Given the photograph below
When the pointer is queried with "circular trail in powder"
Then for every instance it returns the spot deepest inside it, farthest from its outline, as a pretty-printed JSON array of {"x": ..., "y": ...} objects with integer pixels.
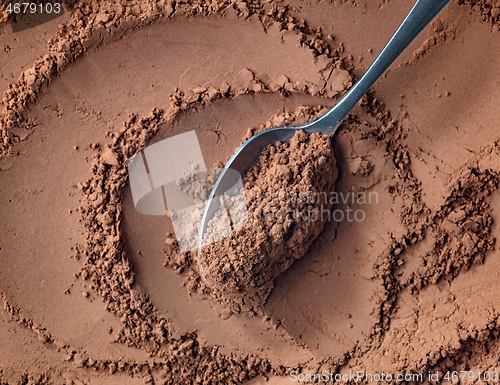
[
  {"x": 409, "y": 284},
  {"x": 77, "y": 102}
]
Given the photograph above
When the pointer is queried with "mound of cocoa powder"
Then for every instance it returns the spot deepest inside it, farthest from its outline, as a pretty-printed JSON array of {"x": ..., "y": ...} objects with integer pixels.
[{"x": 286, "y": 193}]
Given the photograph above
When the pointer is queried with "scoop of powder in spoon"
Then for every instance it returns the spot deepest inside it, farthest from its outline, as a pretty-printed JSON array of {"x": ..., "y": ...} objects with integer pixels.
[{"x": 287, "y": 194}]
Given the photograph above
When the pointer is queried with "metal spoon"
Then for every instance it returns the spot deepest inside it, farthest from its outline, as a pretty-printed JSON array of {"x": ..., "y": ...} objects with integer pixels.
[{"x": 242, "y": 160}]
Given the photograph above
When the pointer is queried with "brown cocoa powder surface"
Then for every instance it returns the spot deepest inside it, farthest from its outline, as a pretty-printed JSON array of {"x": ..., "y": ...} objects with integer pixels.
[{"x": 412, "y": 287}]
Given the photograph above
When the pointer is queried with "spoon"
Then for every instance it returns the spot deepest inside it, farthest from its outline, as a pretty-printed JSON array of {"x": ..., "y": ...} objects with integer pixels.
[{"x": 242, "y": 160}]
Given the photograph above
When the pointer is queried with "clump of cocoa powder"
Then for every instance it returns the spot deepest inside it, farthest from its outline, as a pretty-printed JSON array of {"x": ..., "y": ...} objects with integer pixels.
[{"x": 286, "y": 195}]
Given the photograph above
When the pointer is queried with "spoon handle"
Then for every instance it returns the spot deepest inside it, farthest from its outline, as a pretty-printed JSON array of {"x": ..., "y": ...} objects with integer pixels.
[{"x": 420, "y": 15}]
